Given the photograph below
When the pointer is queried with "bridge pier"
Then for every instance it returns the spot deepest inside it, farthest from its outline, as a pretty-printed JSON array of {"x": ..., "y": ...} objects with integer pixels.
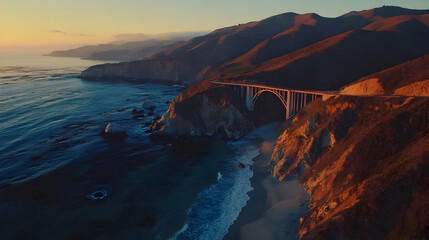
[
  {"x": 288, "y": 111},
  {"x": 249, "y": 98}
]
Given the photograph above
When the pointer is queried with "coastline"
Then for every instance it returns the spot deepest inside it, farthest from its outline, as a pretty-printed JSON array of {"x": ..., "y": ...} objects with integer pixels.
[{"x": 274, "y": 208}]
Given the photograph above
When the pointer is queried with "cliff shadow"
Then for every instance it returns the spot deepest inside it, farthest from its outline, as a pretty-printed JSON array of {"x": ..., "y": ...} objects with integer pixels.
[{"x": 268, "y": 108}]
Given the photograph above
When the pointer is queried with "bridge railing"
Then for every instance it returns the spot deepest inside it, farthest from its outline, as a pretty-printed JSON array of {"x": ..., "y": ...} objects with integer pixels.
[{"x": 333, "y": 93}]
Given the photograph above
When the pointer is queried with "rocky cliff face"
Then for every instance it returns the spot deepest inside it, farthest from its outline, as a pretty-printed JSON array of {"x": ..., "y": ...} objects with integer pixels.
[
  {"x": 205, "y": 110},
  {"x": 365, "y": 163},
  {"x": 155, "y": 69},
  {"x": 407, "y": 79},
  {"x": 364, "y": 160}
]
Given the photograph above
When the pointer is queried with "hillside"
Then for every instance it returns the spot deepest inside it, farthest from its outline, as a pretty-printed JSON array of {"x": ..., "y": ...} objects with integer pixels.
[
  {"x": 341, "y": 59},
  {"x": 307, "y": 29},
  {"x": 364, "y": 162},
  {"x": 410, "y": 79},
  {"x": 122, "y": 52},
  {"x": 192, "y": 60},
  {"x": 412, "y": 24},
  {"x": 229, "y": 52},
  {"x": 384, "y": 12}
]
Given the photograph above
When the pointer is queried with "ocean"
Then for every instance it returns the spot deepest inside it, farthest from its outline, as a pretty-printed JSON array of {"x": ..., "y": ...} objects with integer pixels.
[{"x": 59, "y": 179}]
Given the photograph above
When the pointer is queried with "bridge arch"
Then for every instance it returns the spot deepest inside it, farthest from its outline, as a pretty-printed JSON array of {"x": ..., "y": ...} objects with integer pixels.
[
  {"x": 281, "y": 98},
  {"x": 291, "y": 100},
  {"x": 269, "y": 106}
]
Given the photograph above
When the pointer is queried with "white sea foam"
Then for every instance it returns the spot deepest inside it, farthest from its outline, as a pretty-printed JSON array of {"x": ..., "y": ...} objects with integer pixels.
[
  {"x": 219, "y": 176},
  {"x": 219, "y": 205},
  {"x": 184, "y": 228}
]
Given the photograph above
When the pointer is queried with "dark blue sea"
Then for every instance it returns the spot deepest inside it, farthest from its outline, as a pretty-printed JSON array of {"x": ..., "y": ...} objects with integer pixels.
[{"x": 59, "y": 179}]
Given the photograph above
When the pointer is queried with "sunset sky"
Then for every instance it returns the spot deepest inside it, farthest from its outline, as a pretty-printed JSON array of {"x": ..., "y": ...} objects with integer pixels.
[{"x": 55, "y": 24}]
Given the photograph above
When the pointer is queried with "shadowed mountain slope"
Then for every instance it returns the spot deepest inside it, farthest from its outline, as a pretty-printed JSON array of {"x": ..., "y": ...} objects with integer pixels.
[
  {"x": 308, "y": 28},
  {"x": 230, "y": 52},
  {"x": 344, "y": 58},
  {"x": 192, "y": 60},
  {"x": 126, "y": 51},
  {"x": 311, "y": 28}
]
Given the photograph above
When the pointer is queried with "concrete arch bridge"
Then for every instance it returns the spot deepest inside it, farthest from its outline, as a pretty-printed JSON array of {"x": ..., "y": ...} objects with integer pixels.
[{"x": 293, "y": 100}]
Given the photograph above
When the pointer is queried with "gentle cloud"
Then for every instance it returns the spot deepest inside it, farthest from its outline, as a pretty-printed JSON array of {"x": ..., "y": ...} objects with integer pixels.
[
  {"x": 58, "y": 31},
  {"x": 128, "y": 37}
]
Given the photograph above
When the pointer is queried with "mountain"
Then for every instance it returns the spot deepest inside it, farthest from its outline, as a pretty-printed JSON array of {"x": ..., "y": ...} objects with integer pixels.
[
  {"x": 123, "y": 52},
  {"x": 341, "y": 59},
  {"x": 384, "y": 12},
  {"x": 412, "y": 24},
  {"x": 337, "y": 61},
  {"x": 127, "y": 47},
  {"x": 362, "y": 159},
  {"x": 307, "y": 29},
  {"x": 230, "y": 52},
  {"x": 192, "y": 60}
]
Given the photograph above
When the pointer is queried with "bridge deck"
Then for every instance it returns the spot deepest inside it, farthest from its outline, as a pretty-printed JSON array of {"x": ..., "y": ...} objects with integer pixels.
[{"x": 332, "y": 93}]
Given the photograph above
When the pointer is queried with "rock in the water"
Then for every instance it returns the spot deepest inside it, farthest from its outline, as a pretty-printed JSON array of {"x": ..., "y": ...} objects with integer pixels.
[
  {"x": 135, "y": 111},
  {"x": 138, "y": 116},
  {"x": 240, "y": 165},
  {"x": 114, "y": 136},
  {"x": 98, "y": 195}
]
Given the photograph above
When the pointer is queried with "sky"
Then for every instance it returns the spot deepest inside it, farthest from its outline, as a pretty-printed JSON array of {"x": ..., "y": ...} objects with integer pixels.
[{"x": 57, "y": 24}]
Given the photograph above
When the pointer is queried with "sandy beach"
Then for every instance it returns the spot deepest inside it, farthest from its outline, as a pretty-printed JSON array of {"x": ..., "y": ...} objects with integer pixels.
[{"x": 274, "y": 207}]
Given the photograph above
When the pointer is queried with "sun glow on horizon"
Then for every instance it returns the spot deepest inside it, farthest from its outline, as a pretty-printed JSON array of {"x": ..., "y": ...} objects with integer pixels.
[{"x": 57, "y": 24}]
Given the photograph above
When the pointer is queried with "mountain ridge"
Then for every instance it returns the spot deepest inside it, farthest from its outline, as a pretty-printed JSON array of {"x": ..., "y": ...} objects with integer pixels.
[
  {"x": 239, "y": 49},
  {"x": 128, "y": 47}
]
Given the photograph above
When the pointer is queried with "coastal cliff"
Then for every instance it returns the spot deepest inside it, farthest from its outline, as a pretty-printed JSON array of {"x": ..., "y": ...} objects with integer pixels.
[
  {"x": 364, "y": 162},
  {"x": 164, "y": 70},
  {"x": 204, "y": 110},
  {"x": 362, "y": 159}
]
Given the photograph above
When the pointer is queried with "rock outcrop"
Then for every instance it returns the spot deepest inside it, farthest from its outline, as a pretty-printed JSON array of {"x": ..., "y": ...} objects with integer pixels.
[
  {"x": 407, "y": 79},
  {"x": 205, "y": 110},
  {"x": 364, "y": 161}
]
